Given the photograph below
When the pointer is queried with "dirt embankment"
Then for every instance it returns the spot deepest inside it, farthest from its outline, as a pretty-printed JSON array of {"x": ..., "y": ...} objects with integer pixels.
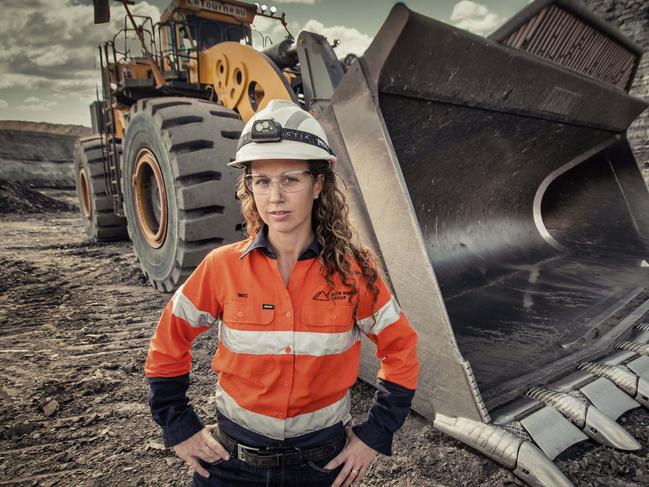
[
  {"x": 16, "y": 198},
  {"x": 38, "y": 154}
]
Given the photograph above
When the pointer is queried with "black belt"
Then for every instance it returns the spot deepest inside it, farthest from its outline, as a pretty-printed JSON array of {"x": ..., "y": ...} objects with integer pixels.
[{"x": 276, "y": 457}]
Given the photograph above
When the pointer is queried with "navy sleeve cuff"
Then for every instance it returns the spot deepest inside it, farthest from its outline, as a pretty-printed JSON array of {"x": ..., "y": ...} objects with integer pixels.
[
  {"x": 171, "y": 410},
  {"x": 375, "y": 439},
  {"x": 389, "y": 411},
  {"x": 185, "y": 426}
]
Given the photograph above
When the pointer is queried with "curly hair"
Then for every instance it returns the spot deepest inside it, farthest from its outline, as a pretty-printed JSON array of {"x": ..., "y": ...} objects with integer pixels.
[{"x": 332, "y": 229}]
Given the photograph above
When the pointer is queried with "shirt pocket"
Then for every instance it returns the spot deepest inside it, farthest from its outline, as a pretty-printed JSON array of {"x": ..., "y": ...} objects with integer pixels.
[
  {"x": 325, "y": 317},
  {"x": 247, "y": 316}
]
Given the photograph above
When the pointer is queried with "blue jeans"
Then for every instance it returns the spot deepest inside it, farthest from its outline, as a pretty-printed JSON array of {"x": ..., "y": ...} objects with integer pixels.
[{"x": 235, "y": 472}]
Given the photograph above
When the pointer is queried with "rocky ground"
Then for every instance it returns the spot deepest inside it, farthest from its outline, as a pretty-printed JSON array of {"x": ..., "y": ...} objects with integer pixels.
[{"x": 76, "y": 318}]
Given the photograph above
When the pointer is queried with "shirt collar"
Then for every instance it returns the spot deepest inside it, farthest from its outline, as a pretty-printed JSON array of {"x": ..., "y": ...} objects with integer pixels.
[{"x": 261, "y": 242}]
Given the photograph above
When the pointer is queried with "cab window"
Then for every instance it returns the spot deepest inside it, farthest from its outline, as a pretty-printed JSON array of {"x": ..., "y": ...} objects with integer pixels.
[{"x": 210, "y": 34}]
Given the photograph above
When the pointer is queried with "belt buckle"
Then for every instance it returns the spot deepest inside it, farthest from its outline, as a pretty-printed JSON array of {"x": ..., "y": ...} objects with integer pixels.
[
  {"x": 254, "y": 456},
  {"x": 241, "y": 449}
]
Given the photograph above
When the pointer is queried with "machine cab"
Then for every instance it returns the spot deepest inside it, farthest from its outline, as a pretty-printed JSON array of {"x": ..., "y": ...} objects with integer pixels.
[{"x": 189, "y": 27}]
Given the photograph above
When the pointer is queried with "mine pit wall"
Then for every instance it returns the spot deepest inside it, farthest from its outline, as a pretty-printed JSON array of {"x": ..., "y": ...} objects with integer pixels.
[
  {"x": 38, "y": 154},
  {"x": 631, "y": 17}
]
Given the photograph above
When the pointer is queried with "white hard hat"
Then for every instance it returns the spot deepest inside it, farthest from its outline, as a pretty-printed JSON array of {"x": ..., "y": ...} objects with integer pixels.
[{"x": 282, "y": 130}]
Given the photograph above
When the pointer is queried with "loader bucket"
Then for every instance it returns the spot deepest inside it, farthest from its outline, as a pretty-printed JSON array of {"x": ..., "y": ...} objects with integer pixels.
[{"x": 512, "y": 221}]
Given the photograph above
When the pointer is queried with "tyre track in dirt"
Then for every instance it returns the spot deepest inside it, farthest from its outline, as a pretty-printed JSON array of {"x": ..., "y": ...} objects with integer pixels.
[{"x": 76, "y": 318}]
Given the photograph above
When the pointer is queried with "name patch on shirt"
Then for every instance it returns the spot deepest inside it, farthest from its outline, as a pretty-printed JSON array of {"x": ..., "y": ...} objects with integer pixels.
[{"x": 267, "y": 306}]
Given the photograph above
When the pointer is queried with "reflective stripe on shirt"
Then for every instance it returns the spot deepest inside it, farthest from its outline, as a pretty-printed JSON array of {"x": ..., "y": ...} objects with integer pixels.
[
  {"x": 275, "y": 342},
  {"x": 389, "y": 313},
  {"x": 184, "y": 309},
  {"x": 278, "y": 428}
]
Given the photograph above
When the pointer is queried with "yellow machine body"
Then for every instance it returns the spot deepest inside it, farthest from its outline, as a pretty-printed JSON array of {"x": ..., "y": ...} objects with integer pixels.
[{"x": 242, "y": 78}]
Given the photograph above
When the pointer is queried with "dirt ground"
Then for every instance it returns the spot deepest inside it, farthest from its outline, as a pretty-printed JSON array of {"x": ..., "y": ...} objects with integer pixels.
[{"x": 76, "y": 318}]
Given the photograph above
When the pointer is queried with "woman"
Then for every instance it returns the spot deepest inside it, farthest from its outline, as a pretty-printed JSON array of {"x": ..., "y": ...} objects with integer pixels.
[{"x": 293, "y": 300}]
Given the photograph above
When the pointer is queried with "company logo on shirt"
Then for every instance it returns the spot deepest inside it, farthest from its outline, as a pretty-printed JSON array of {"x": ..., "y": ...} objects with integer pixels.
[
  {"x": 332, "y": 296},
  {"x": 320, "y": 296}
]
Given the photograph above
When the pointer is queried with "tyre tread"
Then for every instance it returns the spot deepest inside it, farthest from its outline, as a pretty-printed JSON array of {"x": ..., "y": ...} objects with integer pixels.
[
  {"x": 104, "y": 224},
  {"x": 200, "y": 137}
]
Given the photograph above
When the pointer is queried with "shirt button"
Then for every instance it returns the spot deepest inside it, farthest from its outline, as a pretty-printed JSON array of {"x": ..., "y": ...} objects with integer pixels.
[
  {"x": 240, "y": 314},
  {"x": 333, "y": 317},
  {"x": 289, "y": 314},
  {"x": 286, "y": 383},
  {"x": 287, "y": 349},
  {"x": 296, "y": 284}
]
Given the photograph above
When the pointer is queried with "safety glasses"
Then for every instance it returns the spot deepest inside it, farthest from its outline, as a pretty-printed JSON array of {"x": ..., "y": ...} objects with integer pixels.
[{"x": 289, "y": 181}]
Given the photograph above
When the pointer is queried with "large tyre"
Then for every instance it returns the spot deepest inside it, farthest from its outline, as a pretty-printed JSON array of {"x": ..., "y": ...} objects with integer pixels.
[
  {"x": 179, "y": 194},
  {"x": 95, "y": 202}
]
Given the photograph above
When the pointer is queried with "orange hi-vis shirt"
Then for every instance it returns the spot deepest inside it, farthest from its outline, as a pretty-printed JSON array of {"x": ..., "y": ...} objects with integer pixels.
[{"x": 287, "y": 355}]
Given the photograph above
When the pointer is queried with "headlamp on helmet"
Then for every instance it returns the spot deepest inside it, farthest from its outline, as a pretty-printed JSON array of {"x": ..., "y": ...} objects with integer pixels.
[{"x": 267, "y": 130}]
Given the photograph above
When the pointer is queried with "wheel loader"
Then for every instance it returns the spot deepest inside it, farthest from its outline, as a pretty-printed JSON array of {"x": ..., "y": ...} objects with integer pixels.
[{"x": 491, "y": 176}]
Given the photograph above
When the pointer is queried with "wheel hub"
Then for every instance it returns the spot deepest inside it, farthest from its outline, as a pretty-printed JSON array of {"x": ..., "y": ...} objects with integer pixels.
[
  {"x": 84, "y": 193},
  {"x": 150, "y": 198}
]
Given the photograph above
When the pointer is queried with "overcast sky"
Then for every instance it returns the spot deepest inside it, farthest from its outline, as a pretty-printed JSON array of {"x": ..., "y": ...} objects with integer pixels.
[{"x": 48, "y": 47}]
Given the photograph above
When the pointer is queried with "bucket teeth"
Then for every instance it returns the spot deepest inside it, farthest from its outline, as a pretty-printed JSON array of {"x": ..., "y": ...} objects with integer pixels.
[
  {"x": 604, "y": 430},
  {"x": 643, "y": 327},
  {"x": 537, "y": 470},
  {"x": 633, "y": 385},
  {"x": 572, "y": 408},
  {"x": 588, "y": 418},
  {"x": 643, "y": 392},
  {"x": 639, "y": 348},
  {"x": 625, "y": 380},
  {"x": 522, "y": 457}
]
